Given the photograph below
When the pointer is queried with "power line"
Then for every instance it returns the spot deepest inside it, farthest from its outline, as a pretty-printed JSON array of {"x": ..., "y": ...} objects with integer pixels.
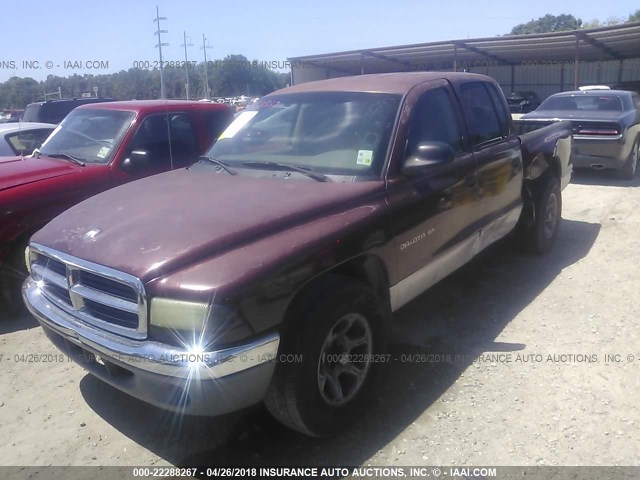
[
  {"x": 204, "y": 48},
  {"x": 186, "y": 61}
]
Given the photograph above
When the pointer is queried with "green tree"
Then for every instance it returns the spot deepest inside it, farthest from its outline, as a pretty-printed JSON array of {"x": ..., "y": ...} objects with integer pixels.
[
  {"x": 600, "y": 23},
  {"x": 235, "y": 75},
  {"x": 634, "y": 17},
  {"x": 548, "y": 23}
]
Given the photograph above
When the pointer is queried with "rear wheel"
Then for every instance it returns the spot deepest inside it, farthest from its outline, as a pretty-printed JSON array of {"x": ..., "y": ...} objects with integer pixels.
[
  {"x": 338, "y": 338},
  {"x": 540, "y": 233},
  {"x": 628, "y": 171}
]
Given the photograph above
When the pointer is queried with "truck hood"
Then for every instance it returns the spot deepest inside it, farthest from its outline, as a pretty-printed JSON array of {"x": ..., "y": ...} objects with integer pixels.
[
  {"x": 16, "y": 171},
  {"x": 162, "y": 223}
]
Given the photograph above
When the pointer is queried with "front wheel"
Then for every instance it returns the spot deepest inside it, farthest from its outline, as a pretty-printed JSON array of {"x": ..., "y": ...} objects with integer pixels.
[
  {"x": 539, "y": 235},
  {"x": 337, "y": 341}
]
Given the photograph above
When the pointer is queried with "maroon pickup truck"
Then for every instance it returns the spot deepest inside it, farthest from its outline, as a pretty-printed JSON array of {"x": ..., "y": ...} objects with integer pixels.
[
  {"x": 270, "y": 270},
  {"x": 96, "y": 147}
]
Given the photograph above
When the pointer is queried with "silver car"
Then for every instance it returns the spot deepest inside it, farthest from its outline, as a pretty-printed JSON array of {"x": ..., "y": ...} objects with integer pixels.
[
  {"x": 22, "y": 138},
  {"x": 606, "y": 127}
]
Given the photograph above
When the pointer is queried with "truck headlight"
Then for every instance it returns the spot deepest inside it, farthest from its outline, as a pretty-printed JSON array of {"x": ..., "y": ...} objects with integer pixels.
[{"x": 179, "y": 314}]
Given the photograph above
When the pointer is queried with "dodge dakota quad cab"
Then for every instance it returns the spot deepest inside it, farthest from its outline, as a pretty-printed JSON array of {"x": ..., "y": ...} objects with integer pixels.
[
  {"x": 269, "y": 270},
  {"x": 96, "y": 147}
]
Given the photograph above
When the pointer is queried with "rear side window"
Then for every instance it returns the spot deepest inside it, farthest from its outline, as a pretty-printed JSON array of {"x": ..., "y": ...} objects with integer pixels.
[
  {"x": 435, "y": 120},
  {"x": 183, "y": 136},
  {"x": 481, "y": 115},
  {"x": 503, "y": 115}
]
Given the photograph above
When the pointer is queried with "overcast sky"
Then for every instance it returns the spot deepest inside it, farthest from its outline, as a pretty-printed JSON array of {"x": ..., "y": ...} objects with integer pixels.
[{"x": 60, "y": 34}]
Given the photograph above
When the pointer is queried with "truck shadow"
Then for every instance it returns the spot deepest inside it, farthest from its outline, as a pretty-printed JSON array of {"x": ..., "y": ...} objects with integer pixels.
[
  {"x": 607, "y": 178},
  {"x": 461, "y": 317},
  {"x": 22, "y": 320}
]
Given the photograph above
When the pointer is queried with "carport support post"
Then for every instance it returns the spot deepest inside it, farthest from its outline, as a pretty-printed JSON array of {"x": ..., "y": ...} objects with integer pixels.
[
  {"x": 620, "y": 71},
  {"x": 513, "y": 78},
  {"x": 575, "y": 66}
]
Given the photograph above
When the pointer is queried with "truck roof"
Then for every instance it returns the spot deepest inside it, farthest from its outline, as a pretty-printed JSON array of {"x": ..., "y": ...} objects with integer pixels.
[
  {"x": 154, "y": 106},
  {"x": 400, "y": 82}
]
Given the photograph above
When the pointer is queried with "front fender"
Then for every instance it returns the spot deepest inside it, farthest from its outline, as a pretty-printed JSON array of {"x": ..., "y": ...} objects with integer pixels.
[{"x": 261, "y": 279}]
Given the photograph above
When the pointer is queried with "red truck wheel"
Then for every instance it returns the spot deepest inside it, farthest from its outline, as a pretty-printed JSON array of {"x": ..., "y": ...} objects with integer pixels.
[{"x": 338, "y": 340}]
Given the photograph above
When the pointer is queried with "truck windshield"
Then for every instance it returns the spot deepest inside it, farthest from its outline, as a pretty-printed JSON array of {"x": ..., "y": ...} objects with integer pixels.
[
  {"x": 333, "y": 133},
  {"x": 91, "y": 135}
]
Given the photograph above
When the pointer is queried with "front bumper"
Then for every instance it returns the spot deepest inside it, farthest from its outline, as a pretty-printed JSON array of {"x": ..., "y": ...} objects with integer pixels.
[{"x": 187, "y": 381}]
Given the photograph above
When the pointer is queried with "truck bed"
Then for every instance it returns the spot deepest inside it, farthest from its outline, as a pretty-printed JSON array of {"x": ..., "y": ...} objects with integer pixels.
[{"x": 553, "y": 139}]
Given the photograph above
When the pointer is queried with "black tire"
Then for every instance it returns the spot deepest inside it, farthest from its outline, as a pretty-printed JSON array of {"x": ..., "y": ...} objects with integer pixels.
[
  {"x": 628, "y": 171},
  {"x": 538, "y": 235},
  {"x": 302, "y": 394},
  {"x": 12, "y": 275}
]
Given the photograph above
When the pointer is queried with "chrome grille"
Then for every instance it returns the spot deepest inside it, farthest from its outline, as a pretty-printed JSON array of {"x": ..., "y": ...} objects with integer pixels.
[{"x": 93, "y": 293}]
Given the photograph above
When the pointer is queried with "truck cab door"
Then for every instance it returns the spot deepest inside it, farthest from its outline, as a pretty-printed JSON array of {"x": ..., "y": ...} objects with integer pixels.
[
  {"x": 498, "y": 157},
  {"x": 434, "y": 207}
]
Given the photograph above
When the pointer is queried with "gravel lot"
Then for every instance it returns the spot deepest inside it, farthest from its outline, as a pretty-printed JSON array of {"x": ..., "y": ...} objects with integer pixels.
[{"x": 526, "y": 380}]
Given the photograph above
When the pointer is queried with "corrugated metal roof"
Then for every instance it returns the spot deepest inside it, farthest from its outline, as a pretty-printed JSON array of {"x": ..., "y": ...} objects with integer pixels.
[{"x": 616, "y": 42}]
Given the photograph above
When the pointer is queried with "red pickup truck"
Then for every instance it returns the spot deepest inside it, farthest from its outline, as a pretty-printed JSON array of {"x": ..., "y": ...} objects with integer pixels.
[
  {"x": 269, "y": 270},
  {"x": 96, "y": 147}
]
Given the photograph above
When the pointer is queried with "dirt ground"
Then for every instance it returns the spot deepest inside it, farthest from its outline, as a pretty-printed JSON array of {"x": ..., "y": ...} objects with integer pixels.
[{"x": 509, "y": 367}]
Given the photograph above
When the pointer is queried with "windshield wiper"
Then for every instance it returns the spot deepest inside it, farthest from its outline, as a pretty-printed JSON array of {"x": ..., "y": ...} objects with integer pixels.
[
  {"x": 66, "y": 156},
  {"x": 221, "y": 164},
  {"x": 294, "y": 168}
]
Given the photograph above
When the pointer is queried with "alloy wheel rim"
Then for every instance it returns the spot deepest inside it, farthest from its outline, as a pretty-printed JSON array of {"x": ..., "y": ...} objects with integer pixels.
[{"x": 344, "y": 359}]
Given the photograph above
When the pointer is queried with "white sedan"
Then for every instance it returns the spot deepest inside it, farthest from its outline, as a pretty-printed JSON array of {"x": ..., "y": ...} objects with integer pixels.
[{"x": 21, "y": 138}]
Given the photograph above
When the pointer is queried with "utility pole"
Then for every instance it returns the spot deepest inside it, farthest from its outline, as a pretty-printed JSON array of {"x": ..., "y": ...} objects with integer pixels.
[
  {"x": 159, "y": 46},
  {"x": 186, "y": 61},
  {"x": 206, "y": 67}
]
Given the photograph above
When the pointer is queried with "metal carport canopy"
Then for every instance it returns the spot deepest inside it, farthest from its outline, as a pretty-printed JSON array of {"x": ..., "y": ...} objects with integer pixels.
[{"x": 616, "y": 42}]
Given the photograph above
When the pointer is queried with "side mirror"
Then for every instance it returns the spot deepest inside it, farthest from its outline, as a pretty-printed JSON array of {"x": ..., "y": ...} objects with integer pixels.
[
  {"x": 138, "y": 159},
  {"x": 425, "y": 155}
]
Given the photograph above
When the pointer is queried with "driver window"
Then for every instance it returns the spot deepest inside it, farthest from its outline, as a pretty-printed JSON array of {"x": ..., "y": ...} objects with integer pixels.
[
  {"x": 434, "y": 120},
  {"x": 153, "y": 137}
]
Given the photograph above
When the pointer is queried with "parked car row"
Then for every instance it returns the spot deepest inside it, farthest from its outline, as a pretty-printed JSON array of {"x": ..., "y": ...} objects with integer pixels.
[{"x": 270, "y": 269}]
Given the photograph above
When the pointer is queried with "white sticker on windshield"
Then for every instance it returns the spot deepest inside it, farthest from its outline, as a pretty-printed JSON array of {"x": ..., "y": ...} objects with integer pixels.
[
  {"x": 240, "y": 121},
  {"x": 104, "y": 151},
  {"x": 364, "y": 157}
]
